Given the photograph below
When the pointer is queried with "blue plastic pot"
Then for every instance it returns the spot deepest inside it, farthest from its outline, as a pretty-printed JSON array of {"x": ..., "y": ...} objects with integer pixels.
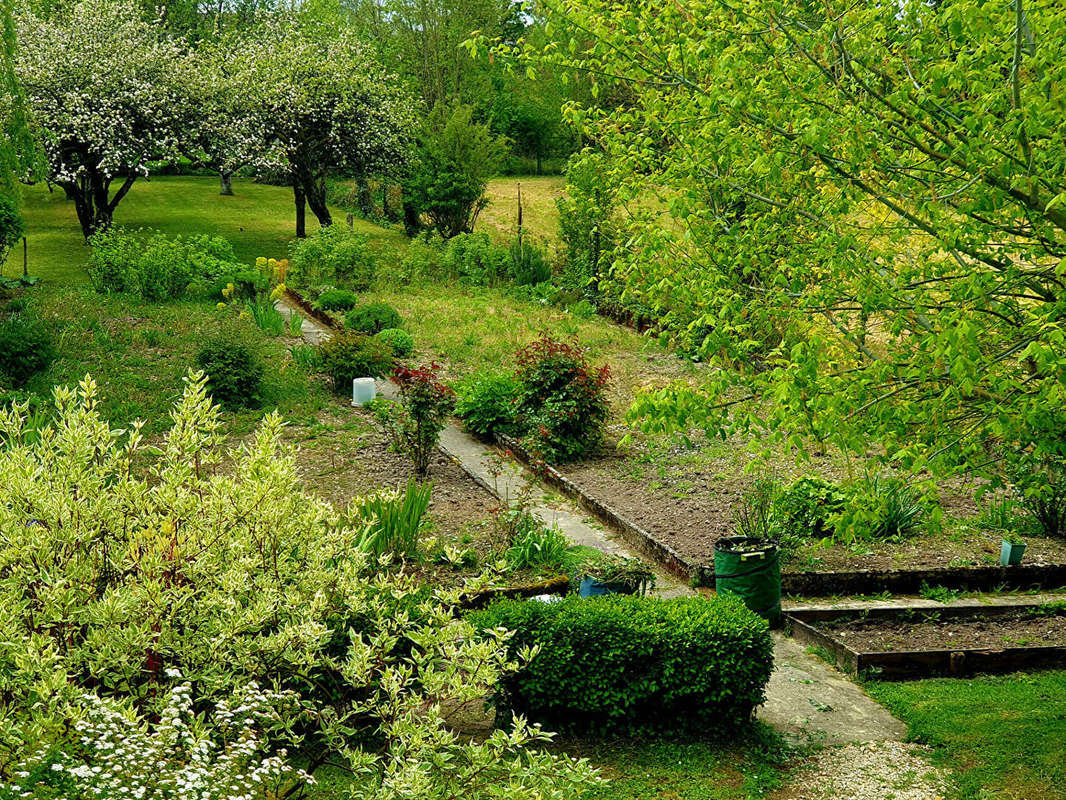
[{"x": 1011, "y": 554}]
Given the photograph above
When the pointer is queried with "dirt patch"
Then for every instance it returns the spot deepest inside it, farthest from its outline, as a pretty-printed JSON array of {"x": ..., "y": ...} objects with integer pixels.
[
  {"x": 686, "y": 501},
  {"x": 930, "y": 632},
  {"x": 881, "y": 771},
  {"x": 344, "y": 455}
]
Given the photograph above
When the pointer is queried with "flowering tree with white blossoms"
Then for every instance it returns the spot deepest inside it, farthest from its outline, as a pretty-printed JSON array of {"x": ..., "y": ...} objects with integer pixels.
[
  {"x": 126, "y": 575},
  {"x": 326, "y": 106},
  {"x": 106, "y": 94}
]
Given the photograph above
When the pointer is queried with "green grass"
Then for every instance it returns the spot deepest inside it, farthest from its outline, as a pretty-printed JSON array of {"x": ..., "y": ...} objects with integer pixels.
[
  {"x": 138, "y": 353},
  {"x": 540, "y": 217},
  {"x": 1004, "y": 737},
  {"x": 258, "y": 220}
]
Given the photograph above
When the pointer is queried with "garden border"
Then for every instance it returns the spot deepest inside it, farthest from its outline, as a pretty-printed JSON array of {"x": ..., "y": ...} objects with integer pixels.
[
  {"x": 914, "y": 664},
  {"x": 808, "y": 584}
]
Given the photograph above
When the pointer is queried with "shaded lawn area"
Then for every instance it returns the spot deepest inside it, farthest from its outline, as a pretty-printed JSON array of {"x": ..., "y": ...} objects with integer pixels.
[
  {"x": 259, "y": 220},
  {"x": 1004, "y": 736}
]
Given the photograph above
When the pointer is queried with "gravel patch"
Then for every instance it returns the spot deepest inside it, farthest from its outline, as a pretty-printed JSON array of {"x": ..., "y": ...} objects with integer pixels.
[{"x": 871, "y": 771}]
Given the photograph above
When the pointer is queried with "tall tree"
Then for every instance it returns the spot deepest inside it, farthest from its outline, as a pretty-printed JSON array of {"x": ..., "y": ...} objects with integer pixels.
[
  {"x": 868, "y": 204},
  {"x": 107, "y": 94},
  {"x": 326, "y": 106}
]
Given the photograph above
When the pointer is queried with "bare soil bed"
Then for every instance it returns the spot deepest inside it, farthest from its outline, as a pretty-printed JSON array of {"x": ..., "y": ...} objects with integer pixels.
[
  {"x": 686, "y": 500},
  {"x": 929, "y": 632}
]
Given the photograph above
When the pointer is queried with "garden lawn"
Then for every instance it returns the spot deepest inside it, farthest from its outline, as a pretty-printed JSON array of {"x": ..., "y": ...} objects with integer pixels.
[
  {"x": 259, "y": 220},
  {"x": 540, "y": 217},
  {"x": 1004, "y": 737},
  {"x": 139, "y": 352}
]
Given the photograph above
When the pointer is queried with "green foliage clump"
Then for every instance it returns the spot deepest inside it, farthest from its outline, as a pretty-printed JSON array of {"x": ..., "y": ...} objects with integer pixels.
[
  {"x": 473, "y": 257},
  {"x": 347, "y": 356},
  {"x": 392, "y": 519},
  {"x": 562, "y": 400},
  {"x": 26, "y": 348},
  {"x": 160, "y": 267},
  {"x": 401, "y": 342},
  {"x": 11, "y": 227},
  {"x": 486, "y": 404},
  {"x": 535, "y": 545},
  {"x": 371, "y": 318},
  {"x": 528, "y": 263},
  {"x": 337, "y": 300},
  {"x": 454, "y": 159},
  {"x": 1041, "y": 482},
  {"x": 808, "y": 505},
  {"x": 885, "y": 507},
  {"x": 586, "y": 227},
  {"x": 622, "y": 664},
  {"x": 234, "y": 369},
  {"x": 333, "y": 254}
]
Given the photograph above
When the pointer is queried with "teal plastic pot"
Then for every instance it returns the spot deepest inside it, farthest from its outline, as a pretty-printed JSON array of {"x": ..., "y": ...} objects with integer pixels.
[
  {"x": 750, "y": 569},
  {"x": 1011, "y": 554}
]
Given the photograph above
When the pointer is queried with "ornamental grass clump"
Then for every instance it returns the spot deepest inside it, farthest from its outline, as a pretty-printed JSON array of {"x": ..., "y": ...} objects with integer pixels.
[{"x": 129, "y": 572}]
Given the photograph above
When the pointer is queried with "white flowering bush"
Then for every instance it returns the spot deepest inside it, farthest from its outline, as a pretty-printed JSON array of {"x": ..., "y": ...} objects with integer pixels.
[
  {"x": 119, "y": 756},
  {"x": 124, "y": 565},
  {"x": 106, "y": 94}
]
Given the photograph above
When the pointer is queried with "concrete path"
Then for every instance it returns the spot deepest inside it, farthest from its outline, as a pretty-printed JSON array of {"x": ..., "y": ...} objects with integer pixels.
[{"x": 806, "y": 698}]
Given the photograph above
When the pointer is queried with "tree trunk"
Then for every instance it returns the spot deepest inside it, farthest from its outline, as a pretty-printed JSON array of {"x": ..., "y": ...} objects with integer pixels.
[
  {"x": 301, "y": 208},
  {"x": 315, "y": 189},
  {"x": 411, "y": 222},
  {"x": 225, "y": 180},
  {"x": 366, "y": 202}
]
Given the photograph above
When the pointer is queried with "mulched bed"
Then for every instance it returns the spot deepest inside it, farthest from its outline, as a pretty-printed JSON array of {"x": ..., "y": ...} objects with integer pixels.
[{"x": 930, "y": 632}]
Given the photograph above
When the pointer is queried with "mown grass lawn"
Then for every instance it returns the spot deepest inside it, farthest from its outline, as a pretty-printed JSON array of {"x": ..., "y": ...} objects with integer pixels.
[
  {"x": 259, "y": 220},
  {"x": 1004, "y": 736}
]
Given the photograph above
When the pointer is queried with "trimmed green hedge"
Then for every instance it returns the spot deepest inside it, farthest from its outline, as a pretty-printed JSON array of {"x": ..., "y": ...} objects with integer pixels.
[{"x": 627, "y": 664}]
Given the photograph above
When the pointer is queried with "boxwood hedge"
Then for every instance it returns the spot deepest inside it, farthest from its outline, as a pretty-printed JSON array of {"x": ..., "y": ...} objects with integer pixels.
[{"x": 628, "y": 664}]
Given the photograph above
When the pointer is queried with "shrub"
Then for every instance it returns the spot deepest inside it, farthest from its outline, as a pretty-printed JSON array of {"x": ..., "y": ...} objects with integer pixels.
[
  {"x": 587, "y": 229},
  {"x": 562, "y": 402},
  {"x": 333, "y": 254},
  {"x": 26, "y": 349},
  {"x": 474, "y": 258},
  {"x": 213, "y": 567},
  {"x": 486, "y": 404},
  {"x": 453, "y": 161},
  {"x": 808, "y": 505},
  {"x": 624, "y": 664},
  {"x": 337, "y": 300},
  {"x": 401, "y": 342},
  {"x": 266, "y": 316},
  {"x": 234, "y": 370},
  {"x": 11, "y": 227},
  {"x": 528, "y": 263},
  {"x": 160, "y": 267},
  {"x": 347, "y": 356},
  {"x": 393, "y": 519},
  {"x": 425, "y": 403},
  {"x": 371, "y": 318},
  {"x": 1041, "y": 482}
]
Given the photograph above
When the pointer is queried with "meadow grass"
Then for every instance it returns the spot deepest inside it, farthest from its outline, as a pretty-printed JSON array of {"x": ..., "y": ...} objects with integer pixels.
[{"x": 1003, "y": 736}]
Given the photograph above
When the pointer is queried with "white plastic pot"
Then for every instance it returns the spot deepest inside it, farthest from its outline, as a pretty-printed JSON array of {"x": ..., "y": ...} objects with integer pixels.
[{"x": 363, "y": 391}]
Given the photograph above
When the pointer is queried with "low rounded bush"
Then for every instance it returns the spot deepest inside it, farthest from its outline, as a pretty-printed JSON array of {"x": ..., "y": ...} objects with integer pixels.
[
  {"x": 337, "y": 300},
  {"x": 349, "y": 355},
  {"x": 234, "y": 370},
  {"x": 621, "y": 664},
  {"x": 401, "y": 342},
  {"x": 333, "y": 254},
  {"x": 371, "y": 318},
  {"x": 26, "y": 348},
  {"x": 529, "y": 263},
  {"x": 487, "y": 404}
]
